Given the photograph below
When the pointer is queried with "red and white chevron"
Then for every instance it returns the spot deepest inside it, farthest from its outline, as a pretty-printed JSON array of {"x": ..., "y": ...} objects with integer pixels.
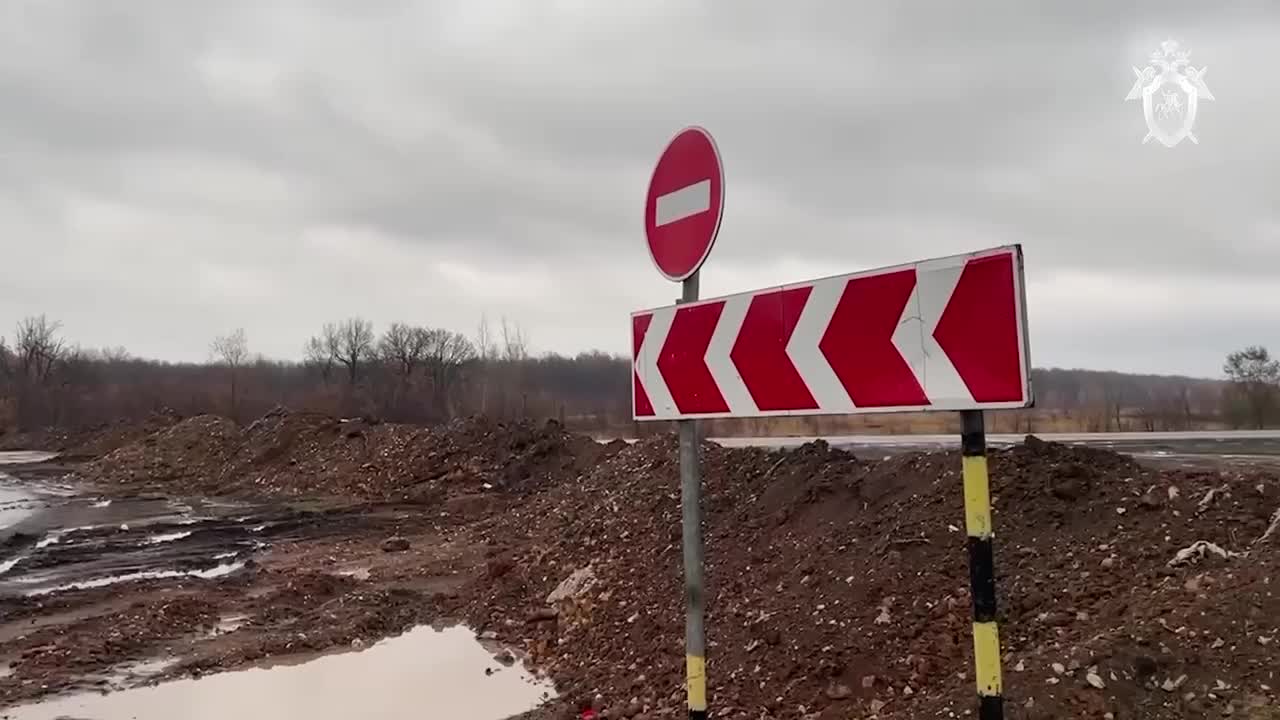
[{"x": 944, "y": 334}]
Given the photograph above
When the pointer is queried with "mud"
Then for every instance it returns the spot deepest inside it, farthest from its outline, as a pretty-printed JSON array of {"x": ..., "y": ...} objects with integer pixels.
[
  {"x": 425, "y": 672},
  {"x": 837, "y": 581}
]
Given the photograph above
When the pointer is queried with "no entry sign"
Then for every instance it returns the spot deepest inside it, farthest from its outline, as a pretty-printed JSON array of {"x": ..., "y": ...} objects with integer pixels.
[
  {"x": 684, "y": 204},
  {"x": 944, "y": 334}
]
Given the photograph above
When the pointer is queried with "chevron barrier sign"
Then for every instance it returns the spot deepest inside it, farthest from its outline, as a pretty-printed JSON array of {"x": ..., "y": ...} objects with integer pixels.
[{"x": 942, "y": 334}]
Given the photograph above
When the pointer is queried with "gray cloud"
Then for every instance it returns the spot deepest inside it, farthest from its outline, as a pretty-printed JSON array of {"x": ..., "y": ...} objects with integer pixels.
[{"x": 170, "y": 169}]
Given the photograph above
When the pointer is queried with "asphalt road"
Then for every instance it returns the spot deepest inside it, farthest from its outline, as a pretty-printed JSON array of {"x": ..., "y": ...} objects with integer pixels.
[{"x": 1180, "y": 449}]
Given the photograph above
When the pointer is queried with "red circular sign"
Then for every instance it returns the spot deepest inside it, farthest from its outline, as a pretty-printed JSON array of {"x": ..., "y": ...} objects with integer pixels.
[{"x": 684, "y": 204}]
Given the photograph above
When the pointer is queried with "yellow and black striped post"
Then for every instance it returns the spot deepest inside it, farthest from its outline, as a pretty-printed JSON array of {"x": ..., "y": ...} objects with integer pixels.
[{"x": 982, "y": 575}]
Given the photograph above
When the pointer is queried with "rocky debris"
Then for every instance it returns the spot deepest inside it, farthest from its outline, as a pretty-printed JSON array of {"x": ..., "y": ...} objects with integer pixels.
[
  {"x": 288, "y": 454},
  {"x": 190, "y": 453},
  {"x": 573, "y": 586},
  {"x": 825, "y": 570},
  {"x": 1198, "y": 550},
  {"x": 395, "y": 544},
  {"x": 1271, "y": 529},
  {"x": 90, "y": 441}
]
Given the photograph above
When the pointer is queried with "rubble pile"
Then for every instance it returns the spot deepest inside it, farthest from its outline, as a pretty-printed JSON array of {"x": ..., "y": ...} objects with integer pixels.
[
  {"x": 837, "y": 585},
  {"x": 91, "y": 441},
  {"x": 288, "y": 454},
  {"x": 186, "y": 456},
  {"x": 839, "y": 588}
]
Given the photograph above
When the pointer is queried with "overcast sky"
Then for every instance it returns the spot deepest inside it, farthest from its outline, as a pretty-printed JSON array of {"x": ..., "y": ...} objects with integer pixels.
[{"x": 173, "y": 169}]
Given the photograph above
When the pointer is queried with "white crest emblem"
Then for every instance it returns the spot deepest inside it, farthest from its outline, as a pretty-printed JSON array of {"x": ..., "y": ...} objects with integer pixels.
[{"x": 1171, "y": 91}]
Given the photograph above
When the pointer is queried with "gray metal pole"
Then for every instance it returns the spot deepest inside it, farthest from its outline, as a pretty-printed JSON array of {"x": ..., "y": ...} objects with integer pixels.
[{"x": 690, "y": 504}]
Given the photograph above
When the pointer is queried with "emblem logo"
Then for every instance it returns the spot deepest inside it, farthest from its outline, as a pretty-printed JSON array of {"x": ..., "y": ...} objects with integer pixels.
[{"x": 1171, "y": 91}]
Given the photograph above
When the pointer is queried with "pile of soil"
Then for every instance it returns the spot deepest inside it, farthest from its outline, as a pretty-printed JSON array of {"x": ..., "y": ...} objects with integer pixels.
[
  {"x": 839, "y": 588},
  {"x": 184, "y": 457},
  {"x": 88, "y": 442},
  {"x": 308, "y": 455}
]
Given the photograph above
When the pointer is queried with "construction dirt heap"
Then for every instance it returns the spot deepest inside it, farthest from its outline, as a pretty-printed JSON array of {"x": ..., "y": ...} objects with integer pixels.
[
  {"x": 837, "y": 586},
  {"x": 308, "y": 455}
]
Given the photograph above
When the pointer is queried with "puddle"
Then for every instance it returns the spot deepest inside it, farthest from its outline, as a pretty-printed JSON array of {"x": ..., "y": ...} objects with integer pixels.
[
  {"x": 7, "y": 565},
  {"x": 25, "y": 457},
  {"x": 142, "y": 670},
  {"x": 52, "y": 538},
  {"x": 423, "y": 673},
  {"x": 168, "y": 537},
  {"x": 228, "y": 624},
  {"x": 213, "y": 572},
  {"x": 15, "y": 505},
  {"x": 5, "y": 671}
]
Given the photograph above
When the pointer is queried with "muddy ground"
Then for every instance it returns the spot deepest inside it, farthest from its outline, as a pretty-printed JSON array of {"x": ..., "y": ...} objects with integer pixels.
[{"x": 837, "y": 584}]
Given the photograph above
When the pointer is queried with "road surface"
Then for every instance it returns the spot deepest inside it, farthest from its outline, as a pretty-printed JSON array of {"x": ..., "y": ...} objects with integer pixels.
[{"x": 1182, "y": 449}]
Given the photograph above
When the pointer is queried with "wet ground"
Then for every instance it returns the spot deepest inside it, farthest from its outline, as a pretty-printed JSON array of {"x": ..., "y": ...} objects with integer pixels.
[
  {"x": 425, "y": 672},
  {"x": 105, "y": 593},
  {"x": 116, "y": 593}
]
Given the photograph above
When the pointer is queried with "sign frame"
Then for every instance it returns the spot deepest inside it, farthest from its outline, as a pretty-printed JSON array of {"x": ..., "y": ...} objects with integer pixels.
[{"x": 1020, "y": 316}]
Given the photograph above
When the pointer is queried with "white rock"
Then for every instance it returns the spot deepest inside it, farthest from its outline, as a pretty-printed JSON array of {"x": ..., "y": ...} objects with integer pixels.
[{"x": 573, "y": 586}]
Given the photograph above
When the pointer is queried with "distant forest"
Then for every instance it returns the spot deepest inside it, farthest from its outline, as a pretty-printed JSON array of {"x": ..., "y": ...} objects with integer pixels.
[{"x": 417, "y": 374}]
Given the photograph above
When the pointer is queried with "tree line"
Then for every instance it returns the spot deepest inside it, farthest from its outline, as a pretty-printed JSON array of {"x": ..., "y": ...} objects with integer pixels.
[
  {"x": 405, "y": 373},
  {"x": 409, "y": 372}
]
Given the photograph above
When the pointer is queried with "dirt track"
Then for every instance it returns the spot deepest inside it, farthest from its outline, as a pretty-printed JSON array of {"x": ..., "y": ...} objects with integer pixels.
[{"x": 838, "y": 585}]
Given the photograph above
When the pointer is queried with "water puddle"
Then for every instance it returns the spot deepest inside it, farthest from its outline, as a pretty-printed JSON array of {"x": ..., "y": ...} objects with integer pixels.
[
  {"x": 11, "y": 563},
  {"x": 213, "y": 572},
  {"x": 15, "y": 504},
  {"x": 143, "y": 670},
  {"x": 228, "y": 624},
  {"x": 52, "y": 538},
  {"x": 25, "y": 457},
  {"x": 168, "y": 537},
  {"x": 423, "y": 673}
]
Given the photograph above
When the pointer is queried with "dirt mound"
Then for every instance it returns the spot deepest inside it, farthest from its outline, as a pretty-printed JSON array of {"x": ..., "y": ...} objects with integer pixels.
[
  {"x": 183, "y": 457},
  {"x": 838, "y": 587},
  {"x": 89, "y": 442},
  {"x": 307, "y": 455}
]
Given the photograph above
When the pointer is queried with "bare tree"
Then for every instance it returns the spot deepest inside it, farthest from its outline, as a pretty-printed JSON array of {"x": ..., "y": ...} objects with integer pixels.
[
  {"x": 232, "y": 351},
  {"x": 350, "y": 342},
  {"x": 116, "y": 354},
  {"x": 486, "y": 352},
  {"x": 37, "y": 348},
  {"x": 486, "y": 349},
  {"x": 1254, "y": 378},
  {"x": 446, "y": 354},
  {"x": 6, "y": 360},
  {"x": 405, "y": 347},
  {"x": 316, "y": 354},
  {"x": 515, "y": 346}
]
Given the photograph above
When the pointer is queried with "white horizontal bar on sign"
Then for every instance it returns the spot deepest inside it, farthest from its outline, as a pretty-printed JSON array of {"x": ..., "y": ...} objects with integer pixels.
[{"x": 685, "y": 202}]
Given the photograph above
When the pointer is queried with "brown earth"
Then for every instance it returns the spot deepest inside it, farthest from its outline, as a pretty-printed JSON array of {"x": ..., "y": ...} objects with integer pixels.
[{"x": 837, "y": 586}]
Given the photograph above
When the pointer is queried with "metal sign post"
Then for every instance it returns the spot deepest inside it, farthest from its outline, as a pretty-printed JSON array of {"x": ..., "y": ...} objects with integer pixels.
[
  {"x": 691, "y": 512},
  {"x": 682, "y": 212},
  {"x": 982, "y": 577}
]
